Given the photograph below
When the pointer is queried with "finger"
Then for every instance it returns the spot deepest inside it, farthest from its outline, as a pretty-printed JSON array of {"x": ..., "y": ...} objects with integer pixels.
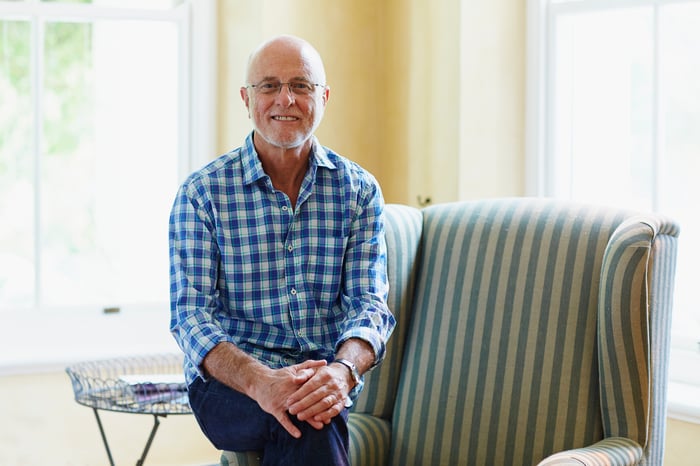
[
  {"x": 318, "y": 425},
  {"x": 303, "y": 375},
  {"x": 326, "y": 416},
  {"x": 311, "y": 364},
  {"x": 305, "y": 370},
  {"x": 309, "y": 393},
  {"x": 325, "y": 404},
  {"x": 305, "y": 398},
  {"x": 289, "y": 425}
]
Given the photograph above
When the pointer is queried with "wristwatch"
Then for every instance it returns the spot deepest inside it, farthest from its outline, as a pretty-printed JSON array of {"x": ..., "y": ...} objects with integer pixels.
[{"x": 353, "y": 369}]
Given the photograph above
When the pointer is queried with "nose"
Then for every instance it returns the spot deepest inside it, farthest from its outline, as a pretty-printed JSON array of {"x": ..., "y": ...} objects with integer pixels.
[{"x": 286, "y": 96}]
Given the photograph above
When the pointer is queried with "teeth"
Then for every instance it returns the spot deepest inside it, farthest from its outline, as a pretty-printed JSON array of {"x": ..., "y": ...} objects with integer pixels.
[{"x": 284, "y": 118}]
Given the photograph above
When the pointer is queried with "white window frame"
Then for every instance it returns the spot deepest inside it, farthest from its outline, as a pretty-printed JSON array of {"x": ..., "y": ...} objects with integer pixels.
[
  {"x": 684, "y": 396},
  {"x": 42, "y": 341}
]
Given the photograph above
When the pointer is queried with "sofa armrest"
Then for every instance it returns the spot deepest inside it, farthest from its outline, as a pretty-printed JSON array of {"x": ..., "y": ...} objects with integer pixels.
[
  {"x": 612, "y": 451},
  {"x": 370, "y": 440},
  {"x": 246, "y": 458}
]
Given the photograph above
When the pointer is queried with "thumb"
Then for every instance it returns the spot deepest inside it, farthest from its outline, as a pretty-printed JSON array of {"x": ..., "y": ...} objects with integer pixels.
[{"x": 303, "y": 375}]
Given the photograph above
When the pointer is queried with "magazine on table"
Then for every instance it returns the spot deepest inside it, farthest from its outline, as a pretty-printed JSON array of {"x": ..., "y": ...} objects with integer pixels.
[{"x": 154, "y": 388}]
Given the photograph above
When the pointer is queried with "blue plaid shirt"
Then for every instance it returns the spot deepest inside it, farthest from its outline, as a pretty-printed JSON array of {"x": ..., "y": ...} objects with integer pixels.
[{"x": 285, "y": 285}]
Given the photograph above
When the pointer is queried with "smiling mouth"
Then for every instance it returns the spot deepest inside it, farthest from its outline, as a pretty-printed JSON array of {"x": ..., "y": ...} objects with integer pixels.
[{"x": 284, "y": 118}]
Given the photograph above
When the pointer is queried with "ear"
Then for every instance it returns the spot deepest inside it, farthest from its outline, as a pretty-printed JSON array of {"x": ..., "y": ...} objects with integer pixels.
[
  {"x": 246, "y": 98},
  {"x": 326, "y": 95}
]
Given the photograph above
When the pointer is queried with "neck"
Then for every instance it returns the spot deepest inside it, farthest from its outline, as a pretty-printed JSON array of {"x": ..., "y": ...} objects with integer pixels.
[{"x": 286, "y": 167}]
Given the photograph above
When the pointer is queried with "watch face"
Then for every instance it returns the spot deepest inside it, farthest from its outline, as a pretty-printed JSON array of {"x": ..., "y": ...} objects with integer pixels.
[{"x": 353, "y": 370}]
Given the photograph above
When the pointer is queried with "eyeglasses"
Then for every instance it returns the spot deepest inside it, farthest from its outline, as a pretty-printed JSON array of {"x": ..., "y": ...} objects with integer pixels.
[{"x": 296, "y": 87}]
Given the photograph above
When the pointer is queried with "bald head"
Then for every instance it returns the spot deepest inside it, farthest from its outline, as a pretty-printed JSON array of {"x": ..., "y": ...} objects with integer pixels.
[{"x": 285, "y": 50}]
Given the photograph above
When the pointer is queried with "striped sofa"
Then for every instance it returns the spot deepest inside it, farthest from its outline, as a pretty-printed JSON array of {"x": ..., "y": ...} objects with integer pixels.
[{"x": 530, "y": 332}]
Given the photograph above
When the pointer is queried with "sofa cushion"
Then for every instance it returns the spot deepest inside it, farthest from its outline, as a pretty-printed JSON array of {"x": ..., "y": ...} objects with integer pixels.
[
  {"x": 403, "y": 233},
  {"x": 370, "y": 440}
]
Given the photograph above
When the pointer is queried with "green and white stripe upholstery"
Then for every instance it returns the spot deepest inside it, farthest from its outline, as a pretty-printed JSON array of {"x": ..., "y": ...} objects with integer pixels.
[
  {"x": 247, "y": 458},
  {"x": 529, "y": 332},
  {"x": 403, "y": 233},
  {"x": 369, "y": 426},
  {"x": 505, "y": 361},
  {"x": 634, "y": 324},
  {"x": 612, "y": 451}
]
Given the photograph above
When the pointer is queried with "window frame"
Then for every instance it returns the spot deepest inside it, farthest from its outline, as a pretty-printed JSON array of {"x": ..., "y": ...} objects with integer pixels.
[
  {"x": 684, "y": 396},
  {"x": 57, "y": 337}
]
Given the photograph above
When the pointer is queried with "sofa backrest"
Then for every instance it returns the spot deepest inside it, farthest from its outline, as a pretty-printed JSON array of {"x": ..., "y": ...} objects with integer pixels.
[
  {"x": 501, "y": 364},
  {"x": 403, "y": 225}
]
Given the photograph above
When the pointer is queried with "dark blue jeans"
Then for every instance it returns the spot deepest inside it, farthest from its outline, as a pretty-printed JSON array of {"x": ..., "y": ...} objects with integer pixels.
[{"x": 233, "y": 421}]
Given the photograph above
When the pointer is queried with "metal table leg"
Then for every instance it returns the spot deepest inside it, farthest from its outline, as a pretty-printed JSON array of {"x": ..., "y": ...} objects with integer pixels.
[
  {"x": 154, "y": 429},
  {"x": 156, "y": 423},
  {"x": 104, "y": 437}
]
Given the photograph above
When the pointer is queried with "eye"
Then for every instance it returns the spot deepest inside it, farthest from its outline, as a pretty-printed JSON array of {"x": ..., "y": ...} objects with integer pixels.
[
  {"x": 268, "y": 87},
  {"x": 301, "y": 87}
]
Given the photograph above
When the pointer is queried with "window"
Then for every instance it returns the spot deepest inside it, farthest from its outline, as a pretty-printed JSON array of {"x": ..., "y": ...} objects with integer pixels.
[
  {"x": 94, "y": 137},
  {"x": 615, "y": 118}
]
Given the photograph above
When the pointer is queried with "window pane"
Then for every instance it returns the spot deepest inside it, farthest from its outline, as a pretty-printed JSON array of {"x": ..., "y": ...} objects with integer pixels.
[
  {"x": 154, "y": 4},
  {"x": 109, "y": 162},
  {"x": 602, "y": 121},
  {"x": 68, "y": 161},
  {"x": 680, "y": 140},
  {"x": 16, "y": 167}
]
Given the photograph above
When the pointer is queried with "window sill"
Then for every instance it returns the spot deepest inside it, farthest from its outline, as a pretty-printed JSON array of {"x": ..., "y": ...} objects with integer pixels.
[
  {"x": 684, "y": 384},
  {"x": 48, "y": 342},
  {"x": 684, "y": 402}
]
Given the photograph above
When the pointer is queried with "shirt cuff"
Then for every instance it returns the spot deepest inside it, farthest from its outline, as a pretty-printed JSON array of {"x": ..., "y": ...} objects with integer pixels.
[{"x": 373, "y": 338}]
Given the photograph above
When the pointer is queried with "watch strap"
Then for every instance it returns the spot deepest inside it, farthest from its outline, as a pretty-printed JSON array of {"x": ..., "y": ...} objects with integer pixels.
[{"x": 353, "y": 369}]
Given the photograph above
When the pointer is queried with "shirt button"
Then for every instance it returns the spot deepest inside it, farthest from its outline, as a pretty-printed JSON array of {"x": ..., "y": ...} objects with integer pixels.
[
  {"x": 294, "y": 291},
  {"x": 285, "y": 208},
  {"x": 290, "y": 248}
]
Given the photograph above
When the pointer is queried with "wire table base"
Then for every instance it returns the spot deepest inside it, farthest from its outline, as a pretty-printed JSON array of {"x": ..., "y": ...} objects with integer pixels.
[{"x": 140, "y": 385}]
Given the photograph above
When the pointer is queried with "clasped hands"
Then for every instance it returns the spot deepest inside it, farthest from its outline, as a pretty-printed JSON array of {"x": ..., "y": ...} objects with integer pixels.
[{"x": 314, "y": 391}]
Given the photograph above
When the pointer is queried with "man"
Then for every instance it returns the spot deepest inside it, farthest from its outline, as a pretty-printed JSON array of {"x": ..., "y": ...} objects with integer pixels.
[{"x": 278, "y": 274}]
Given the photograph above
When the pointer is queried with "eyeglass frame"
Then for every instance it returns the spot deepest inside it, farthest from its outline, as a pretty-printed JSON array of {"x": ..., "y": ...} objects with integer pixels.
[{"x": 257, "y": 87}]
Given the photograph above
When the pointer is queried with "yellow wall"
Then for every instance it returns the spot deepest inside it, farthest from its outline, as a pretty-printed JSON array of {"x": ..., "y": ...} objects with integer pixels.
[
  {"x": 428, "y": 96},
  {"x": 680, "y": 443}
]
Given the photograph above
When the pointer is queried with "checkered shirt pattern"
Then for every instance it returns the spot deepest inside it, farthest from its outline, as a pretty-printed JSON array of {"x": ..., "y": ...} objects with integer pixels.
[{"x": 283, "y": 284}]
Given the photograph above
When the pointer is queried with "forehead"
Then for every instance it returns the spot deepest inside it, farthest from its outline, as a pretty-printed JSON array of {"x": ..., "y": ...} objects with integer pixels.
[{"x": 284, "y": 61}]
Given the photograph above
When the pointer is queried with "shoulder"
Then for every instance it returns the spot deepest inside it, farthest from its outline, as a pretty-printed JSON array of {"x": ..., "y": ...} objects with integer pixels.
[
  {"x": 346, "y": 170},
  {"x": 215, "y": 174}
]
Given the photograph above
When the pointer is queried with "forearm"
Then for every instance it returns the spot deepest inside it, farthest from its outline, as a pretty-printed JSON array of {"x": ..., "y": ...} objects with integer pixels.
[
  {"x": 233, "y": 367},
  {"x": 270, "y": 388},
  {"x": 359, "y": 352}
]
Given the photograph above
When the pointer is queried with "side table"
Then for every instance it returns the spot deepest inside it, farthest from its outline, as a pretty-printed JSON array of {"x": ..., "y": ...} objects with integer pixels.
[{"x": 151, "y": 384}]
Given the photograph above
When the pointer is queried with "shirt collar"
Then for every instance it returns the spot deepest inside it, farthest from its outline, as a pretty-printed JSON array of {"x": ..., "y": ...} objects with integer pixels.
[{"x": 252, "y": 167}]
